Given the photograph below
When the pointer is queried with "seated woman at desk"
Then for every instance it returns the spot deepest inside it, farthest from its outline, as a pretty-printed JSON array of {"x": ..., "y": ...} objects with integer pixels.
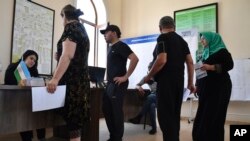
[
  {"x": 30, "y": 58},
  {"x": 149, "y": 105}
]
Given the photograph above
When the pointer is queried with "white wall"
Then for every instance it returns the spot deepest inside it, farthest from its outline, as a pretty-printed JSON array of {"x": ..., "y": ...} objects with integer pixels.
[
  {"x": 233, "y": 21},
  {"x": 141, "y": 17},
  {"x": 6, "y": 10},
  {"x": 114, "y": 9}
]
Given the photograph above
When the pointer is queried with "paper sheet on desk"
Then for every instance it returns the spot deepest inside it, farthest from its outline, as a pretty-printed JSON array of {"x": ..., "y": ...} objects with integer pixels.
[
  {"x": 186, "y": 94},
  {"x": 42, "y": 100}
]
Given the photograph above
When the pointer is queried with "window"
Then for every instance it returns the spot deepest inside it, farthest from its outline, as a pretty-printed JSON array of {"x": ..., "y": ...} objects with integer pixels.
[{"x": 93, "y": 19}]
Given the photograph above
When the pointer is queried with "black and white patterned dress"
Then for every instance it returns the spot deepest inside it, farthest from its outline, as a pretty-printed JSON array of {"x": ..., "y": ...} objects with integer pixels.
[{"x": 76, "y": 109}]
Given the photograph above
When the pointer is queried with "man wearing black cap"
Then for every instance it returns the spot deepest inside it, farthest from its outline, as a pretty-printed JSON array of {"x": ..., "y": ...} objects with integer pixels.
[
  {"x": 170, "y": 54},
  {"x": 117, "y": 76}
]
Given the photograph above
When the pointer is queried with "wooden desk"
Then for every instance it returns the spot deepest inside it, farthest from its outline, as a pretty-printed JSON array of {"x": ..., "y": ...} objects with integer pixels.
[
  {"x": 132, "y": 104},
  {"x": 16, "y": 113}
]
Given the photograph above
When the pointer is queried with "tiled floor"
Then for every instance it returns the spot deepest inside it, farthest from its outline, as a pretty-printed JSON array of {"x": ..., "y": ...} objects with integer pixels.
[
  {"x": 137, "y": 133},
  {"x": 132, "y": 133}
]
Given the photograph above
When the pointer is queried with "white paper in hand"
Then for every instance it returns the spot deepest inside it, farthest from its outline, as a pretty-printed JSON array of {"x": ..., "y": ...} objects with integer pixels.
[
  {"x": 198, "y": 72},
  {"x": 42, "y": 100},
  {"x": 186, "y": 94}
]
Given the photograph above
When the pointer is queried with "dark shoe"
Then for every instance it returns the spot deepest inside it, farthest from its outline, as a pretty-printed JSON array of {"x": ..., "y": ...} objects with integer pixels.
[
  {"x": 152, "y": 131},
  {"x": 135, "y": 120}
]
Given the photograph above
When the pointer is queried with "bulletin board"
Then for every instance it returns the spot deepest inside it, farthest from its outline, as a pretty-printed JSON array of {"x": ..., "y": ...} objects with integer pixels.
[
  {"x": 202, "y": 18},
  {"x": 33, "y": 26}
]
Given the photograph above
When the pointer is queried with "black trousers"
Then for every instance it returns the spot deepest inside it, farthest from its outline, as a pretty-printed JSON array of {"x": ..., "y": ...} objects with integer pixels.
[
  {"x": 28, "y": 135},
  {"x": 169, "y": 97},
  {"x": 113, "y": 109}
]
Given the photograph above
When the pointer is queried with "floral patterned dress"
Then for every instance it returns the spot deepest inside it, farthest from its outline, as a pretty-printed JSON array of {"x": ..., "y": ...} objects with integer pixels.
[{"x": 76, "y": 108}]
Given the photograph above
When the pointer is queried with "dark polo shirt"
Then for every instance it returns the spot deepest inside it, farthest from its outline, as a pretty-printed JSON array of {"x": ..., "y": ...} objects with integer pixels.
[
  {"x": 177, "y": 50},
  {"x": 117, "y": 60}
]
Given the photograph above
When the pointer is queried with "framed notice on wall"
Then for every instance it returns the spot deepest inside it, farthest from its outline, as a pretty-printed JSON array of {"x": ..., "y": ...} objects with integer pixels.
[
  {"x": 202, "y": 18},
  {"x": 33, "y": 26}
]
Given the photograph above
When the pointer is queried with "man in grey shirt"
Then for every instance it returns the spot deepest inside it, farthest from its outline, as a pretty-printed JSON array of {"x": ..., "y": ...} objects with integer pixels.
[{"x": 149, "y": 105}]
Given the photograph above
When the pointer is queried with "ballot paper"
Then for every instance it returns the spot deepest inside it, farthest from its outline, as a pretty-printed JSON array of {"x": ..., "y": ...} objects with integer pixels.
[
  {"x": 198, "y": 72},
  {"x": 43, "y": 100},
  {"x": 186, "y": 94}
]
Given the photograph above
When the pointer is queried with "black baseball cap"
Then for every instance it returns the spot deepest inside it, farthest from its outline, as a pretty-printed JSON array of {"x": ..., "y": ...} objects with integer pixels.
[{"x": 113, "y": 28}]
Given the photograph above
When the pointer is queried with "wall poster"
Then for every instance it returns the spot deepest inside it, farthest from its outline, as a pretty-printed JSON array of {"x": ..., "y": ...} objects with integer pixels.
[
  {"x": 33, "y": 26},
  {"x": 200, "y": 18}
]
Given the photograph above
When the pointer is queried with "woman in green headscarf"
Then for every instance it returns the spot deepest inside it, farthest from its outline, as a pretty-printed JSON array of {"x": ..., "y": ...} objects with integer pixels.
[
  {"x": 212, "y": 43},
  {"x": 214, "y": 90}
]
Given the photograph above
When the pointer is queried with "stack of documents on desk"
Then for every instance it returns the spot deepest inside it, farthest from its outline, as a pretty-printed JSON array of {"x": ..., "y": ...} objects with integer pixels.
[
  {"x": 35, "y": 81},
  {"x": 42, "y": 100}
]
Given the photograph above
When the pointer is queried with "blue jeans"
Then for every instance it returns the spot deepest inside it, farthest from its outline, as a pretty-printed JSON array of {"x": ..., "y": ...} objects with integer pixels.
[{"x": 149, "y": 107}]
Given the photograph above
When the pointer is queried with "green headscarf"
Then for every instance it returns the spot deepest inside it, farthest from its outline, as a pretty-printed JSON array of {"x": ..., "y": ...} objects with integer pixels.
[{"x": 214, "y": 44}]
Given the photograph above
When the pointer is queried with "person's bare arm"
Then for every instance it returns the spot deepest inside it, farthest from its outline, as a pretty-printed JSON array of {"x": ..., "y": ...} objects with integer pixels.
[
  {"x": 69, "y": 48},
  {"x": 133, "y": 62},
  {"x": 160, "y": 61},
  {"x": 190, "y": 69}
]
